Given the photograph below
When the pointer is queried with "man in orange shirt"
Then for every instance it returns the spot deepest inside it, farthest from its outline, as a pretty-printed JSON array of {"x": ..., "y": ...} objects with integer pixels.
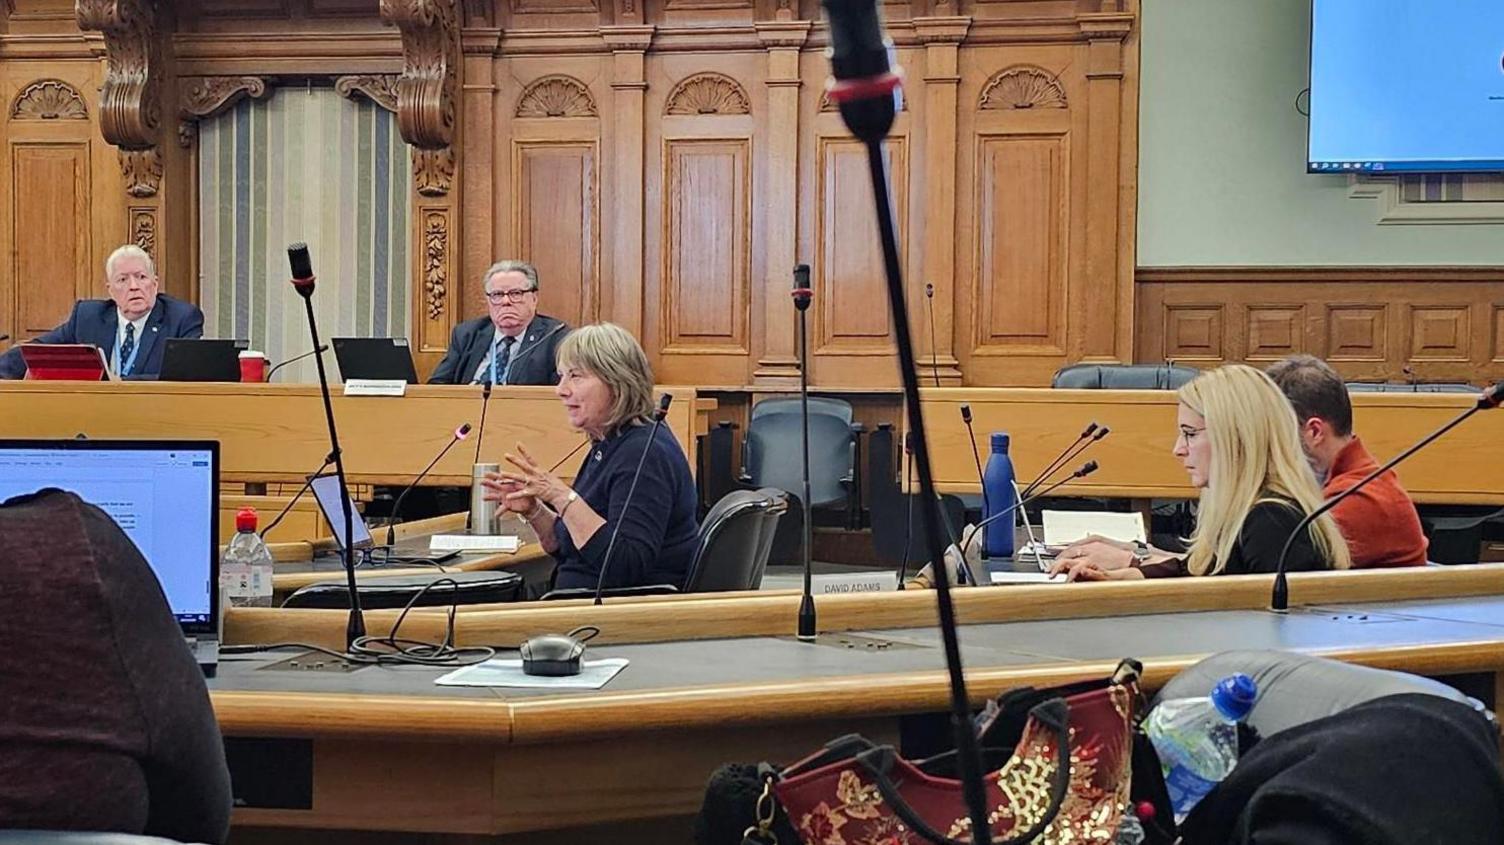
[{"x": 1379, "y": 522}]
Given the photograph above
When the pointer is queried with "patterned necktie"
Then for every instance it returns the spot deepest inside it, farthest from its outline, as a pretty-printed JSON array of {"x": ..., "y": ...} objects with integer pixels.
[
  {"x": 127, "y": 347},
  {"x": 502, "y": 357}
]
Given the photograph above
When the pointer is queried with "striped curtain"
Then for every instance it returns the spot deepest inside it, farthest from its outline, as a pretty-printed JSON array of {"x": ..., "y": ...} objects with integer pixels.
[{"x": 303, "y": 165}]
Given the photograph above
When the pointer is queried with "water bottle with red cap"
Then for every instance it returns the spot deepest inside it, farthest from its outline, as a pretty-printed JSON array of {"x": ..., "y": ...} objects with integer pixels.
[{"x": 245, "y": 571}]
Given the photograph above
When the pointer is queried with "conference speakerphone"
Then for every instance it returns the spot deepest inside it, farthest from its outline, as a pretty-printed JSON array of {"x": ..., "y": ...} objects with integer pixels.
[{"x": 164, "y": 494}]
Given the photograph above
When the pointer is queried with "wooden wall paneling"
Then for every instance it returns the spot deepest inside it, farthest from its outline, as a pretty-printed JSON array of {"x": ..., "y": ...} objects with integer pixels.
[
  {"x": 482, "y": 102},
  {"x": 702, "y": 251},
  {"x": 778, "y": 209},
  {"x": 555, "y": 193},
  {"x": 1104, "y": 326},
  {"x": 942, "y": 37},
  {"x": 1371, "y": 323},
  {"x": 49, "y": 209},
  {"x": 623, "y": 299}
]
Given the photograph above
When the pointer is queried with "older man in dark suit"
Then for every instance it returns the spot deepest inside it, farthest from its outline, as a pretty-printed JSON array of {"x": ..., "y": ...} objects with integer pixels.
[
  {"x": 513, "y": 344},
  {"x": 131, "y": 327}
]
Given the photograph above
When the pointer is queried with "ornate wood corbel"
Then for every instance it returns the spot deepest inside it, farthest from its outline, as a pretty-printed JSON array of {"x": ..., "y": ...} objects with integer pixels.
[
  {"x": 379, "y": 88},
  {"x": 130, "y": 108},
  {"x": 202, "y": 97},
  {"x": 428, "y": 90}
]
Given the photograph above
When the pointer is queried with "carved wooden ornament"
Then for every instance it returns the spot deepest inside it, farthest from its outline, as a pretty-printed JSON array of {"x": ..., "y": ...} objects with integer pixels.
[
  {"x": 379, "y": 88},
  {"x": 556, "y": 96},
  {"x": 49, "y": 99},
  {"x": 428, "y": 88},
  {"x": 435, "y": 258},
  {"x": 207, "y": 96},
  {"x": 1023, "y": 87},
  {"x": 129, "y": 104},
  {"x": 708, "y": 93}
]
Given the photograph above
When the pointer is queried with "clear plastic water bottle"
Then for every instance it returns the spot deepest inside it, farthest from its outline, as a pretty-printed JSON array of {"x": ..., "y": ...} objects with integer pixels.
[
  {"x": 245, "y": 571},
  {"x": 1197, "y": 739},
  {"x": 1130, "y": 830},
  {"x": 998, "y": 480}
]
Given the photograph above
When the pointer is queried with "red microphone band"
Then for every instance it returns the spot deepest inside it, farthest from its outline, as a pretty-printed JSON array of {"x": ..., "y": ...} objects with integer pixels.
[
  {"x": 805, "y": 292},
  {"x": 848, "y": 90}
]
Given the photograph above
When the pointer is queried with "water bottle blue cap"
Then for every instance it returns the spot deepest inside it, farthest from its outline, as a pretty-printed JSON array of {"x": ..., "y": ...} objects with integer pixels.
[
  {"x": 1234, "y": 695},
  {"x": 999, "y": 441}
]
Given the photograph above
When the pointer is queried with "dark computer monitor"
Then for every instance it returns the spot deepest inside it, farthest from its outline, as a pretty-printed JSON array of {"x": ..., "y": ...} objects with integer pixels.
[
  {"x": 186, "y": 359},
  {"x": 164, "y": 494},
  {"x": 375, "y": 358}
]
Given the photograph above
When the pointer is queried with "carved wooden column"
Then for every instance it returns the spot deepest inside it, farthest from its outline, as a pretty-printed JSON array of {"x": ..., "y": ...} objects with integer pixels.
[
  {"x": 130, "y": 104},
  {"x": 629, "y": 46},
  {"x": 942, "y": 38},
  {"x": 782, "y": 39},
  {"x": 428, "y": 117},
  {"x": 478, "y": 191},
  {"x": 201, "y": 97},
  {"x": 1107, "y": 333}
]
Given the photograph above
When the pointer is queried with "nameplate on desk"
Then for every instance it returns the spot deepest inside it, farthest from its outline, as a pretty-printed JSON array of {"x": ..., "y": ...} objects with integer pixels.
[
  {"x": 376, "y": 387},
  {"x": 861, "y": 582},
  {"x": 474, "y": 543}
]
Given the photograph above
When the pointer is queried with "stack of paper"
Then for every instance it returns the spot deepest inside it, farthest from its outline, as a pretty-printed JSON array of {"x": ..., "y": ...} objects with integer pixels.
[{"x": 1061, "y": 528}]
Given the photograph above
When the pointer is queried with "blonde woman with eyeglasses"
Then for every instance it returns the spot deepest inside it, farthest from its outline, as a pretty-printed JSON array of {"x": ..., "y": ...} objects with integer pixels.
[{"x": 1238, "y": 441}]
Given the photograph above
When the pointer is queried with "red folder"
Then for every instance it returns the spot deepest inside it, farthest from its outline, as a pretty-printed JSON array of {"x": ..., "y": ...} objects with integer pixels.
[{"x": 63, "y": 361}]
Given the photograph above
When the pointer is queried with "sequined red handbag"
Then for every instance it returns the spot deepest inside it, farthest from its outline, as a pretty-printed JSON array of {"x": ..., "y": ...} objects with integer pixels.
[{"x": 854, "y": 792}]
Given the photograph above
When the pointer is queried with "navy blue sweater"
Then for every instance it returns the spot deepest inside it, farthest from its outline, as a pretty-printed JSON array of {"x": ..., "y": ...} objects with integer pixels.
[{"x": 657, "y": 533}]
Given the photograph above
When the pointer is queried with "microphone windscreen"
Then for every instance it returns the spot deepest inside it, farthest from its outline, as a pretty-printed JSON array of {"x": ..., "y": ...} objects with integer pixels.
[
  {"x": 664, "y": 401},
  {"x": 1102, "y": 432},
  {"x": 302, "y": 264},
  {"x": 801, "y": 276},
  {"x": 1089, "y": 430},
  {"x": 857, "y": 50},
  {"x": 462, "y": 432},
  {"x": 929, "y": 291},
  {"x": 965, "y": 413},
  {"x": 1086, "y": 469}
]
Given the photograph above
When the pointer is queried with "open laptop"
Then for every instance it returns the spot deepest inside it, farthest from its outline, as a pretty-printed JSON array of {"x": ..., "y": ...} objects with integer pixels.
[
  {"x": 196, "y": 359},
  {"x": 163, "y": 493},
  {"x": 387, "y": 358}
]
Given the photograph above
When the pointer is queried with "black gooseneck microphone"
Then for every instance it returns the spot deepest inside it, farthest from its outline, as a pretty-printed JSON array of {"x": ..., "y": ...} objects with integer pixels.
[
  {"x": 865, "y": 87},
  {"x": 1086, "y": 469},
  {"x": 485, "y": 402},
  {"x": 1089, "y": 435},
  {"x": 391, "y": 524},
  {"x": 976, "y": 457},
  {"x": 1280, "y": 600},
  {"x": 929, "y": 305},
  {"x": 303, "y": 281},
  {"x": 301, "y": 490},
  {"x": 320, "y": 350},
  {"x": 658, "y": 414},
  {"x": 802, "y": 295}
]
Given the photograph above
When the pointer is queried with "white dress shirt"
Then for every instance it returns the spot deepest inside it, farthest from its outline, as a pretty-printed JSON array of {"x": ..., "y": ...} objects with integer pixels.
[
  {"x": 120, "y": 323},
  {"x": 484, "y": 370}
]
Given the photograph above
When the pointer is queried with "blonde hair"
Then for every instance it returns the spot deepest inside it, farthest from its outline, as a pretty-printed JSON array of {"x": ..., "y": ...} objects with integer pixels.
[
  {"x": 1256, "y": 457},
  {"x": 129, "y": 251},
  {"x": 610, "y": 353}
]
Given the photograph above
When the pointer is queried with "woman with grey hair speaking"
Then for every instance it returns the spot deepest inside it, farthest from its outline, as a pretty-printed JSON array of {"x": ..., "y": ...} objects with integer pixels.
[{"x": 606, "y": 385}]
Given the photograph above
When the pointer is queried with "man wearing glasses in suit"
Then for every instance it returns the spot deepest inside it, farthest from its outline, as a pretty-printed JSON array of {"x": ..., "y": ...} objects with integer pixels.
[{"x": 513, "y": 344}]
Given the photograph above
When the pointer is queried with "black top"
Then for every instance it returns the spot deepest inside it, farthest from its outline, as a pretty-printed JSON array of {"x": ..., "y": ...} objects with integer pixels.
[
  {"x": 532, "y": 358},
  {"x": 97, "y": 320},
  {"x": 105, "y": 722},
  {"x": 657, "y": 534},
  {"x": 1260, "y": 540}
]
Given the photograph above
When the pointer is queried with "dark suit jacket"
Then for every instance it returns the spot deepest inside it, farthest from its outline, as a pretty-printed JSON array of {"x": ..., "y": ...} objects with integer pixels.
[
  {"x": 95, "y": 320},
  {"x": 532, "y": 357}
]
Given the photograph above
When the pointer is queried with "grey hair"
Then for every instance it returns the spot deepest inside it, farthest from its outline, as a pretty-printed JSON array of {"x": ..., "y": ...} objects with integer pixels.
[
  {"x": 610, "y": 353},
  {"x": 511, "y": 266},
  {"x": 128, "y": 251}
]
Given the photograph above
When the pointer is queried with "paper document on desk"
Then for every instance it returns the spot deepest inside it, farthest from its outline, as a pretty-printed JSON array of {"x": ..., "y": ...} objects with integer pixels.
[
  {"x": 500, "y": 672},
  {"x": 1007, "y": 577},
  {"x": 474, "y": 543},
  {"x": 1061, "y": 528}
]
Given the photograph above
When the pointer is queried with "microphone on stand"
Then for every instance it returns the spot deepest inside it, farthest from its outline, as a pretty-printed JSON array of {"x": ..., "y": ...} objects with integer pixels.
[
  {"x": 293, "y": 360},
  {"x": 485, "y": 402},
  {"x": 802, "y": 295},
  {"x": 929, "y": 304},
  {"x": 303, "y": 281},
  {"x": 304, "y": 489},
  {"x": 976, "y": 457},
  {"x": 391, "y": 524},
  {"x": 662, "y": 411},
  {"x": 1086, "y": 469},
  {"x": 1280, "y": 600},
  {"x": 1089, "y": 435},
  {"x": 865, "y": 88}
]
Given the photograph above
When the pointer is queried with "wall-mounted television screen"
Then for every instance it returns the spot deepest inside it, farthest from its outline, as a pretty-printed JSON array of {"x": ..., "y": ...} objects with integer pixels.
[{"x": 1406, "y": 85}]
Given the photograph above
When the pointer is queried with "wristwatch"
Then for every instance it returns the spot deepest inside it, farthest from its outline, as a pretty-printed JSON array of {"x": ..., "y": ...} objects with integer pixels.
[
  {"x": 569, "y": 500},
  {"x": 1140, "y": 553}
]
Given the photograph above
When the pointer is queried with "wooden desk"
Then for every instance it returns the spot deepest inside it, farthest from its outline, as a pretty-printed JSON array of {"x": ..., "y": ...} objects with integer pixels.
[
  {"x": 484, "y": 761},
  {"x": 1135, "y": 458},
  {"x": 276, "y": 432}
]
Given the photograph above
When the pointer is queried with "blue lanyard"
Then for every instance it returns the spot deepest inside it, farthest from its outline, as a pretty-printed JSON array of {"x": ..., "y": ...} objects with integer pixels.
[{"x": 129, "y": 364}]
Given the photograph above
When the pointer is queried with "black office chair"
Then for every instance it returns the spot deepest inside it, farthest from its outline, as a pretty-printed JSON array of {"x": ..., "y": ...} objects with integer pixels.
[
  {"x": 1410, "y": 387},
  {"x": 482, "y": 587},
  {"x": 735, "y": 541},
  {"x": 1123, "y": 377}
]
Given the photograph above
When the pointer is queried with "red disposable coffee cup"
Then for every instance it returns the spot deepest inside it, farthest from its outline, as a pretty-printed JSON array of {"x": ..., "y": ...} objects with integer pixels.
[{"x": 252, "y": 366}]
